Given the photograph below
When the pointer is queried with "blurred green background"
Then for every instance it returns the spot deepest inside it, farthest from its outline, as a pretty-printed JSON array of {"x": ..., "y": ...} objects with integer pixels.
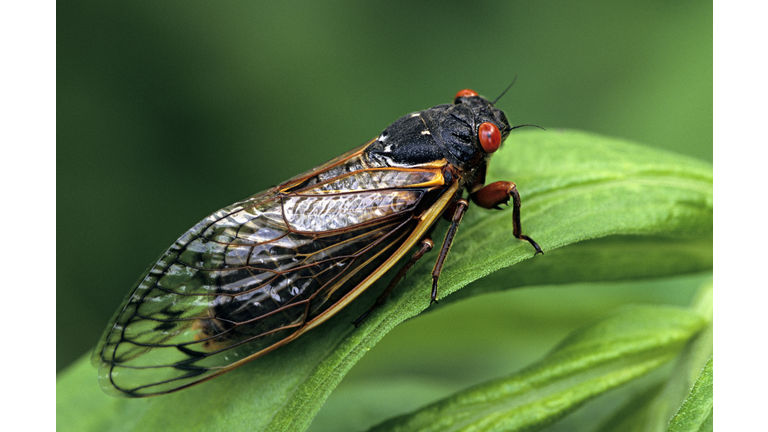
[{"x": 168, "y": 111}]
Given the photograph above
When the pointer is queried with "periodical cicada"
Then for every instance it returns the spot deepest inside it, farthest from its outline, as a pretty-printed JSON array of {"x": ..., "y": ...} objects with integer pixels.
[{"x": 260, "y": 273}]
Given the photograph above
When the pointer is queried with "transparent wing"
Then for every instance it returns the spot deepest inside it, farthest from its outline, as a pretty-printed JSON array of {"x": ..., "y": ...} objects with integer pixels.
[{"x": 251, "y": 276}]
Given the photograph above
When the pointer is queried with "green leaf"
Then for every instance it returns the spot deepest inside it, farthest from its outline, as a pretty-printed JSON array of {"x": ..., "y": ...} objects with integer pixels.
[
  {"x": 697, "y": 411},
  {"x": 577, "y": 186},
  {"x": 628, "y": 343},
  {"x": 653, "y": 411},
  {"x": 651, "y": 210}
]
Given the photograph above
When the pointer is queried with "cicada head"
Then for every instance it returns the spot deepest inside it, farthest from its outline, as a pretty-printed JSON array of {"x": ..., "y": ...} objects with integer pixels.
[{"x": 487, "y": 125}]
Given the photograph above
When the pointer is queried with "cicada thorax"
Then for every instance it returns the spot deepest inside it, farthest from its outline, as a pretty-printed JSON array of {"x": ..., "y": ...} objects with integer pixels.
[
  {"x": 449, "y": 132},
  {"x": 259, "y": 273}
]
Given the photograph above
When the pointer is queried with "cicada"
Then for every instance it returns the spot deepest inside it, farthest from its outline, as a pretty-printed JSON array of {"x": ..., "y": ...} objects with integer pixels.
[{"x": 261, "y": 272}]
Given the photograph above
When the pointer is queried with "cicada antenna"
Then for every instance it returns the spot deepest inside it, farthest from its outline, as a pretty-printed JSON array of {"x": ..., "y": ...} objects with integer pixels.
[
  {"x": 505, "y": 91},
  {"x": 519, "y": 126}
]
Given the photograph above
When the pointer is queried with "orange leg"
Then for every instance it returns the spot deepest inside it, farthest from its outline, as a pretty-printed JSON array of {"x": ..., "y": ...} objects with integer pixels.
[{"x": 497, "y": 193}]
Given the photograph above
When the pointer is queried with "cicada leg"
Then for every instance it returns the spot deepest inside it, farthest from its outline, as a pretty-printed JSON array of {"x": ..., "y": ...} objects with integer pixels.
[
  {"x": 460, "y": 208},
  {"x": 497, "y": 193},
  {"x": 426, "y": 245}
]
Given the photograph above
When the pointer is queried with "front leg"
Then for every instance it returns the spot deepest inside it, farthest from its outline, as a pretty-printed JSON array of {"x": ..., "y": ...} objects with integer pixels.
[{"x": 497, "y": 193}]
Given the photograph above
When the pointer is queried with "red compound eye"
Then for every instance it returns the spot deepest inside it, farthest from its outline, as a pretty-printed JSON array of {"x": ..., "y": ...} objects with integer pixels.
[
  {"x": 490, "y": 137},
  {"x": 464, "y": 93}
]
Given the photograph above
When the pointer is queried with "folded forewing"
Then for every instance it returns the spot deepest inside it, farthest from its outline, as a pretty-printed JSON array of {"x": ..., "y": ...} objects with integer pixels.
[{"x": 249, "y": 277}]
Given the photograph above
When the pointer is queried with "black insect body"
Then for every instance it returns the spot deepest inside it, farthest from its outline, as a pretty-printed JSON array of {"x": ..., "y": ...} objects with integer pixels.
[{"x": 259, "y": 273}]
